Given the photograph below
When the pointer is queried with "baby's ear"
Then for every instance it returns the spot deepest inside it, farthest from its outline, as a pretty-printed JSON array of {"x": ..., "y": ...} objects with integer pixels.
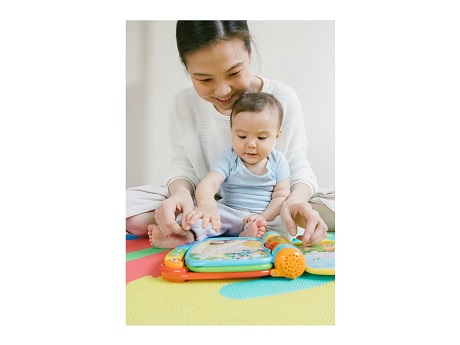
[{"x": 278, "y": 134}]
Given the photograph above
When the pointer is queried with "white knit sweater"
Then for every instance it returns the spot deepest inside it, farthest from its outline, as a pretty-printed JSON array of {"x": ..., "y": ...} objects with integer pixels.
[{"x": 198, "y": 133}]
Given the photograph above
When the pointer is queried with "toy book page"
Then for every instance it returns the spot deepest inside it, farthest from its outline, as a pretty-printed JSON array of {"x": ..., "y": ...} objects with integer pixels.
[
  {"x": 228, "y": 251},
  {"x": 320, "y": 258}
]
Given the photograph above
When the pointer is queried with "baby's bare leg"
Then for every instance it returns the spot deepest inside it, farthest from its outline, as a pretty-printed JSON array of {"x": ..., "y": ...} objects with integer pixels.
[
  {"x": 159, "y": 240},
  {"x": 144, "y": 225},
  {"x": 138, "y": 224}
]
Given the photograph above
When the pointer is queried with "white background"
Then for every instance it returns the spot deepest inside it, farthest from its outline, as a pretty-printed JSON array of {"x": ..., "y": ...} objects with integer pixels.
[{"x": 62, "y": 134}]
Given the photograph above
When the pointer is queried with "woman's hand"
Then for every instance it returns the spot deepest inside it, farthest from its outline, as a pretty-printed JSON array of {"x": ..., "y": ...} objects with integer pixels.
[
  {"x": 303, "y": 215},
  {"x": 165, "y": 215}
]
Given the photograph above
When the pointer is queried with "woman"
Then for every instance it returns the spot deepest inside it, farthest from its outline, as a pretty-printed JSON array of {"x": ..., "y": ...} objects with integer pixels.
[{"x": 217, "y": 55}]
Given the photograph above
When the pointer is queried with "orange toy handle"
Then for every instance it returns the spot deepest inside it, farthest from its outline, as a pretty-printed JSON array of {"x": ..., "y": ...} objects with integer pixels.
[
  {"x": 289, "y": 261},
  {"x": 272, "y": 239}
]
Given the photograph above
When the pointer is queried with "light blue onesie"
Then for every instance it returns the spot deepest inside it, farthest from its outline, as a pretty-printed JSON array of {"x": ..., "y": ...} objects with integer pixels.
[{"x": 243, "y": 192}]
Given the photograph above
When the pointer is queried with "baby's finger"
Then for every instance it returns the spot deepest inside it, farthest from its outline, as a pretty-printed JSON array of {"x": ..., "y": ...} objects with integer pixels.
[
  {"x": 215, "y": 224},
  {"x": 205, "y": 221},
  {"x": 251, "y": 219}
]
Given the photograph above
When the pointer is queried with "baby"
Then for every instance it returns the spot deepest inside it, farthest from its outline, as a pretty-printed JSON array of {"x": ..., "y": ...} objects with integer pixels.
[{"x": 252, "y": 176}]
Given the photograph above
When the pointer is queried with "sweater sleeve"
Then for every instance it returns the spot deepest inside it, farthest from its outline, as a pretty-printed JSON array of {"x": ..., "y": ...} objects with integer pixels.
[
  {"x": 301, "y": 171},
  {"x": 293, "y": 141},
  {"x": 181, "y": 166}
]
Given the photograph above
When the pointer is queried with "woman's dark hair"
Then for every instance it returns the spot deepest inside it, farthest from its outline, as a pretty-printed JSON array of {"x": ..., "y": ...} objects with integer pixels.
[
  {"x": 192, "y": 35},
  {"x": 256, "y": 102}
]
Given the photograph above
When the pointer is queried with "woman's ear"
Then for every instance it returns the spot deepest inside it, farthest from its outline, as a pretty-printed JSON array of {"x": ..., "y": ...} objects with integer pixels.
[{"x": 278, "y": 134}]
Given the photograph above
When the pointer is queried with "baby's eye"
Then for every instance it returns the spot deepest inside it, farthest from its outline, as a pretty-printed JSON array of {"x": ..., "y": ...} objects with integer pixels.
[
  {"x": 262, "y": 138},
  {"x": 241, "y": 136}
]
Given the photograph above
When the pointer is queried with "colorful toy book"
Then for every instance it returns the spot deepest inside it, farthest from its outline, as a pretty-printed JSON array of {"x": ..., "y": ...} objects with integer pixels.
[{"x": 246, "y": 257}]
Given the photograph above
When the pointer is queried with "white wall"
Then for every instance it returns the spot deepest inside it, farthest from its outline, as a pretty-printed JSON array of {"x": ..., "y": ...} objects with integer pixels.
[{"x": 298, "y": 53}]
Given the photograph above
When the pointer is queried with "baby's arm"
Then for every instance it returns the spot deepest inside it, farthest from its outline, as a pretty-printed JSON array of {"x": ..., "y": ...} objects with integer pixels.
[
  {"x": 279, "y": 196},
  {"x": 206, "y": 204}
]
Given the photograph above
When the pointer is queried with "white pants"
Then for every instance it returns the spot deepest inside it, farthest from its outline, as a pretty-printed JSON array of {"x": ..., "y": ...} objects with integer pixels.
[{"x": 232, "y": 224}]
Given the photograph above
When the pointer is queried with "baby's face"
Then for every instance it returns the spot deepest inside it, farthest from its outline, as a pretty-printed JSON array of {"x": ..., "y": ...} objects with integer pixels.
[{"x": 254, "y": 134}]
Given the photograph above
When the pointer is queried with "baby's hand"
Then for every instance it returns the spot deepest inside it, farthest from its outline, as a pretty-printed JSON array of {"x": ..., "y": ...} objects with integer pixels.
[{"x": 207, "y": 213}]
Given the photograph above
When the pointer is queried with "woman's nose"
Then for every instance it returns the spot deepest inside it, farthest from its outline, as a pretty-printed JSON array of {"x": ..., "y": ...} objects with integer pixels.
[{"x": 222, "y": 90}]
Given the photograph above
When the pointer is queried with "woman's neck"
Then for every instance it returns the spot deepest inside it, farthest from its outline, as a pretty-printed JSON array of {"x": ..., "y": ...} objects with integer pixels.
[{"x": 256, "y": 84}]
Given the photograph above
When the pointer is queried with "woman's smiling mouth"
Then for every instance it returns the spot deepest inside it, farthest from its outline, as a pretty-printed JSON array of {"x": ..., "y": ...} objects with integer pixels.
[{"x": 223, "y": 100}]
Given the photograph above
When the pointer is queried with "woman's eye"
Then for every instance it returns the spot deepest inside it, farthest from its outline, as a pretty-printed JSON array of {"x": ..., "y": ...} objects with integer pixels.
[
  {"x": 205, "y": 80},
  {"x": 234, "y": 74}
]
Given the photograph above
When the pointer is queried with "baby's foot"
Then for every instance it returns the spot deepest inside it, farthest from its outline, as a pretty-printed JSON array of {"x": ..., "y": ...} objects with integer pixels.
[
  {"x": 254, "y": 229},
  {"x": 158, "y": 240}
]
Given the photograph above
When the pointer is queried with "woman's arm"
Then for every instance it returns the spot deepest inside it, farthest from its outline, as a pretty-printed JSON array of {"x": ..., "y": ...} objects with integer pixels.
[
  {"x": 181, "y": 166},
  {"x": 300, "y": 192},
  {"x": 180, "y": 185},
  {"x": 293, "y": 141}
]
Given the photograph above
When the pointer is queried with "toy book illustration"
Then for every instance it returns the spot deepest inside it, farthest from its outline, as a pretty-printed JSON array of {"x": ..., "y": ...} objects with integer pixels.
[
  {"x": 320, "y": 258},
  {"x": 248, "y": 257},
  {"x": 228, "y": 254}
]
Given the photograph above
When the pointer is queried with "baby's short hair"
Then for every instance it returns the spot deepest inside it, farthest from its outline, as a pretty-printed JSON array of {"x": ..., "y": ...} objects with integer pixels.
[{"x": 256, "y": 102}]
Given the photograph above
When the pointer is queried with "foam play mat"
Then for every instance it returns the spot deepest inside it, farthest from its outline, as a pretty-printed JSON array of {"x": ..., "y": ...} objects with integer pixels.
[{"x": 152, "y": 300}]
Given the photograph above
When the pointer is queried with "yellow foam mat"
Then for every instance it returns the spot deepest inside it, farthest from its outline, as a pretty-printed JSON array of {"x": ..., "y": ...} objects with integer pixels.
[{"x": 155, "y": 301}]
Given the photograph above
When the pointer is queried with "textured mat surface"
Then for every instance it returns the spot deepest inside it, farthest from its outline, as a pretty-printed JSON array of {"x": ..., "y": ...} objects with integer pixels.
[{"x": 151, "y": 300}]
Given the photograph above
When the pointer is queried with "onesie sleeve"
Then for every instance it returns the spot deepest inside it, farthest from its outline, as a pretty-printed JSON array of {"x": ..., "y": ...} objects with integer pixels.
[
  {"x": 282, "y": 166},
  {"x": 225, "y": 163}
]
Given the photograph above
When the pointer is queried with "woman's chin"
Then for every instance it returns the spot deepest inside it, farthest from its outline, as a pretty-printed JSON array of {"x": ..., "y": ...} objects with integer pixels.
[{"x": 223, "y": 108}]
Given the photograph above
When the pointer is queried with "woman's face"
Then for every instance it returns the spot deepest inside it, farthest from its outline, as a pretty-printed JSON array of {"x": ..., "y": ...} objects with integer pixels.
[{"x": 220, "y": 73}]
